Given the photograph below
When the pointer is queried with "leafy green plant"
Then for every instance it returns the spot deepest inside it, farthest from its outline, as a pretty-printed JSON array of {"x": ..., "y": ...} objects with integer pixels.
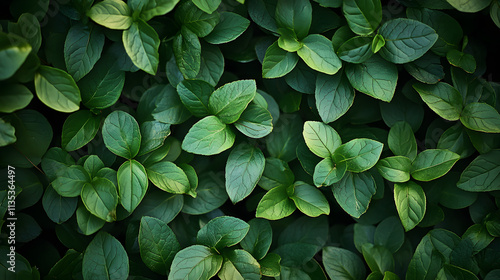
[{"x": 258, "y": 139}]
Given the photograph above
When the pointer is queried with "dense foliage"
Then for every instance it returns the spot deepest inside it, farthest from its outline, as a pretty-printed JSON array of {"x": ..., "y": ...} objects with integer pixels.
[{"x": 287, "y": 139}]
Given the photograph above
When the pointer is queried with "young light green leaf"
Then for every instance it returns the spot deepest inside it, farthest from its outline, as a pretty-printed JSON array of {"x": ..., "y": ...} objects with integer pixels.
[
  {"x": 288, "y": 40},
  {"x": 196, "y": 261},
  {"x": 327, "y": 172},
  {"x": 132, "y": 184},
  {"x": 356, "y": 50},
  {"x": 187, "y": 53},
  {"x": 79, "y": 129},
  {"x": 87, "y": 222},
  {"x": 105, "y": 258},
  {"x": 153, "y": 8},
  {"x": 57, "y": 89},
  {"x": 209, "y": 136},
  {"x": 121, "y": 134},
  {"x": 239, "y": 264},
  {"x": 244, "y": 168},
  {"x": 442, "y": 98},
  {"x": 276, "y": 173},
  {"x": 258, "y": 239},
  {"x": 363, "y": 16},
  {"x": 432, "y": 164},
  {"x": 395, "y": 169},
  {"x": 482, "y": 174},
  {"x": 334, "y": 96},
  {"x": 71, "y": 181},
  {"x": 401, "y": 140},
  {"x": 321, "y": 139},
  {"x": 377, "y": 43},
  {"x": 141, "y": 43},
  {"x": 113, "y": 14},
  {"x": 229, "y": 101},
  {"x": 359, "y": 154},
  {"x": 275, "y": 204},
  {"x": 295, "y": 15},
  {"x": 100, "y": 198},
  {"x": 158, "y": 244},
  {"x": 317, "y": 52},
  {"x": 208, "y": 6},
  {"x": 223, "y": 231},
  {"x": 309, "y": 200},
  {"x": 169, "y": 177},
  {"x": 230, "y": 26},
  {"x": 343, "y": 264},
  {"x": 410, "y": 203},
  {"x": 194, "y": 94},
  {"x": 13, "y": 52},
  {"x": 481, "y": 117},
  {"x": 406, "y": 40},
  {"x": 278, "y": 62},
  {"x": 375, "y": 77},
  {"x": 354, "y": 192}
]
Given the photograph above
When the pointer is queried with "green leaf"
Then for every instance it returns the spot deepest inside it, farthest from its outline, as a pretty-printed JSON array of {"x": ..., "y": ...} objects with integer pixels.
[
  {"x": 210, "y": 195},
  {"x": 194, "y": 94},
  {"x": 479, "y": 237},
  {"x": 278, "y": 62},
  {"x": 321, "y": 139},
  {"x": 442, "y": 98},
  {"x": 270, "y": 265},
  {"x": 102, "y": 87},
  {"x": 169, "y": 177},
  {"x": 378, "y": 258},
  {"x": 229, "y": 101},
  {"x": 7, "y": 133},
  {"x": 283, "y": 141},
  {"x": 13, "y": 52},
  {"x": 495, "y": 12},
  {"x": 58, "y": 208},
  {"x": 28, "y": 27},
  {"x": 93, "y": 164},
  {"x": 359, "y": 154},
  {"x": 82, "y": 49},
  {"x": 57, "y": 89},
  {"x": 87, "y": 222},
  {"x": 481, "y": 117},
  {"x": 141, "y": 43},
  {"x": 158, "y": 244},
  {"x": 255, "y": 121},
  {"x": 427, "y": 69},
  {"x": 153, "y": 8},
  {"x": 258, "y": 239},
  {"x": 317, "y": 52},
  {"x": 14, "y": 97},
  {"x": 209, "y": 136},
  {"x": 195, "y": 261},
  {"x": 275, "y": 204},
  {"x": 239, "y": 264},
  {"x": 378, "y": 43},
  {"x": 276, "y": 173},
  {"x": 168, "y": 106},
  {"x": 79, "y": 129},
  {"x": 410, "y": 203},
  {"x": 223, "y": 231},
  {"x": 230, "y": 26},
  {"x": 113, "y": 14},
  {"x": 100, "y": 198},
  {"x": 65, "y": 266},
  {"x": 71, "y": 181},
  {"x": 354, "y": 192},
  {"x": 208, "y": 6},
  {"x": 198, "y": 21},
  {"x": 395, "y": 169},
  {"x": 121, "y": 134},
  {"x": 482, "y": 174},
  {"x": 356, "y": 50},
  {"x": 454, "y": 272},
  {"x": 390, "y": 234},
  {"x": 432, "y": 164},
  {"x": 106, "y": 258},
  {"x": 187, "y": 53},
  {"x": 363, "y": 16},
  {"x": 288, "y": 40},
  {"x": 244, "y": 168},
  {"x": 309, "y": 200},
  {"x": 132, "y": 184},
  {"x": 406, "y": 40},
  {"x": 343, "y": 264},
  {"x": 463, "y": 60},
  {"x": 468, "y": 6},
  {"x": 295, "y": 15},
  {"x": 153, "y": 135},
  {"x": 401, "y": 140},
  {"x": 327, "y": 172},
  {"x": 334, "y": 96},
  {"x": 375, "y": 77},
  {"x": 262, "y": 13},
  {"x": 456, "y": 140}
]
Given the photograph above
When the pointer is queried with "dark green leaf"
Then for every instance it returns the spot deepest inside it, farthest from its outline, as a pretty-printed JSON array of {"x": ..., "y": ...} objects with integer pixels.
[
  {"x": 121, "y": 134},
  {"x": 222, "y": 232},
  {"x": 255, "y": 121},
  {"x": 7, "y": 133},
  {"x": 141, "y": 43},
  {"x": 195, "y": 261},
  {"x": 334, "y": 96},
  {"x": 169, "y": 108},
  {"x": 230, "y": 26},
  {"x": 195, "y": 19},
  {"x": 105, "y": 258},
  {"x": 478, "y": 236},
  {"x": 270, "y": 265},
  {"x": 101, "y": 198},
  {"x": 410, "y": 203},
  {"x": 378, "y": 258},
  {"x": 363, "y": 16},
  {"x": 343, "y": 264},
  {"x": 153, "y": 135},
  {"x": 359, "y": 154},
  {"x": 401, "y": 140},
  {"x": 456, "y": 140},
  {"x": 295, "y": 15},
  {"x": 87, "y": 222},
  {"x": 276, "y": 173},
  {"x": 432, "y": 164},
  {"x": 442, "y": 98},
  {"x": 356, "y": 50},
  {"x": 462, "y": 60},
  {"x": 208, "y": 6},
  {"x": 427, "y": 69},
  {"x": 244, "y": 168},
  {"x": 469, "y": 6},
  {"x": 70, "y": 182},
  {"x": 481, "y": 117},
  {"x": 482, "y": 174},
  {"x": 58, "y": 208},
  {"x": 79, "y": 129},
  {"x": 211, "y": 194},
  {"x": 195, "y": 94},
  {"x": 154, "y": 8},
  {"x": 354, "y": 192},
  {"x": 13, "y": 52},
  {"x": 239, "y": 264},
  {"x": 187, "y": 52},
  {"x": 283, "y": 142},
  {"x": 258, "y": 239},
  {"x": 132, "y": 184},
  {"x": 390, "y": 234}
]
